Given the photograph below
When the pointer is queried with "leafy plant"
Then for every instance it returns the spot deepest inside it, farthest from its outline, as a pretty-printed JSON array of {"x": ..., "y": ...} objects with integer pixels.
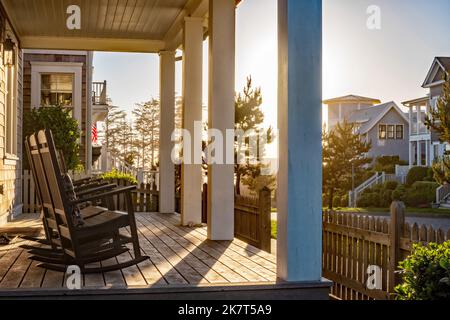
[
  {"x": 426, "y": 273},
  {"x": 416, "y": 174},
  {"x": 422, "y": 193},
  {"x": 63, "y": 126},
  {"x": 115, "y": 175}
]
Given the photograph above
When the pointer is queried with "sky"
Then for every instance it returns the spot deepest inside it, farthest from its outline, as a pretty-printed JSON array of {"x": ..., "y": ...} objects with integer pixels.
[{"x": 389, "y": 64}]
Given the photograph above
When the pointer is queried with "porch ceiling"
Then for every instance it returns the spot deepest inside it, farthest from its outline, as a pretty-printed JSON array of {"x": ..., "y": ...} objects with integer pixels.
[{"x": 106, "y": 25}]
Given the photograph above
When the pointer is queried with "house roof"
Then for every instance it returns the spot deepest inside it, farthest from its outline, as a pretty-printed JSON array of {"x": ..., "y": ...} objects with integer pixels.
[
  {"x": 439, "y": 64},
  {"x": 352, "y": 99},
  {"x": 369, "y": 117}
]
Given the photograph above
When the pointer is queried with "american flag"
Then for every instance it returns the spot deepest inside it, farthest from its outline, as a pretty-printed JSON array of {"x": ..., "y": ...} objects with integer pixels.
[{"x": 94, "y": 134}]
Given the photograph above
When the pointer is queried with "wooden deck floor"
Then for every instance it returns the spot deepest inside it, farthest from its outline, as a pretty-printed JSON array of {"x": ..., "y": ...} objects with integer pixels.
[{"x": 178, "y": 256}]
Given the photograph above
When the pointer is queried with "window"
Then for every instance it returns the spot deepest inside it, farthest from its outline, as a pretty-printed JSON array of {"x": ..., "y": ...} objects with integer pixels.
[
  {"x": 57, "y": 89},
  {"x": 383, "y": 132},
  {"x": 399, "y": 133},
  {"x": 391, "y": 132}
]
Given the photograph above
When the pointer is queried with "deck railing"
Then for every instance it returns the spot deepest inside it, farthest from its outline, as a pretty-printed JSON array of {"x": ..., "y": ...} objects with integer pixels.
[{"x": 99, "y": 96}]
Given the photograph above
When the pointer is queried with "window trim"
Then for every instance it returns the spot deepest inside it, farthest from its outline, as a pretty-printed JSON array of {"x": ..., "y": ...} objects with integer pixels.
[
  {"x": 390, "y": 126},
  {"x": 380, "y": 132},
  {"x": 397, "y": 131},
  {"x": 76, "y": 68}
]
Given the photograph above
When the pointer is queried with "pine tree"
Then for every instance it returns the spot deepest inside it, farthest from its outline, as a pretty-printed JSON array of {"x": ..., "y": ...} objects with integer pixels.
[
  {"x": 147, "y": 122},
  {"x": 439, "y": 121},
  {"x": 343, "y": 151}
]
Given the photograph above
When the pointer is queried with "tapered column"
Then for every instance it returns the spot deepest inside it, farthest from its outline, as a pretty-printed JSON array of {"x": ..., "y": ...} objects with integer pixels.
[
  {"x": 299, "y": 253},
  {"x": 191, "y": 194},
  {"x": 167, "y": 126},
  {"x": 222, "y": 19}
]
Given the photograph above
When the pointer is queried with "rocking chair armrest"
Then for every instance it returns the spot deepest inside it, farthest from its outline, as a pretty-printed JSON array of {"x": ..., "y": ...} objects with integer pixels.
[
  {"x": 100, "y": 188},
  {"x": 90, "y": 186},
  {"x": 101, "y": 196},
  {"x": 91, "y": 180}
]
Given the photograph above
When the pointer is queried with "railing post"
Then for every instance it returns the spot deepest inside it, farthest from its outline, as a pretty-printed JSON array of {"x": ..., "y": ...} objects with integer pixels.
[
  {"x": 205, "y": 203},
  {"x": 395, "y": 233},
  {"x": 265, "y": 223}
]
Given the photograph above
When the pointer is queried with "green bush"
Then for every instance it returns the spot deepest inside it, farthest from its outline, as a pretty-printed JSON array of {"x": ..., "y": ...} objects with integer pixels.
[
  {"x": 387, "y": 164},
  {"x": 390, "y": 185},
  {"x": 399, "y": 194},
  {"x": 336, "y": 201},
  {"x": 368, "y": 200},
  {"x": 422, "y": 193},
  {"x": 64, "y": 128},
  {"x": 416, "y": 174},
  {"x": 426, "y": 274},
  {"x": 344, "y": 201},
  {"x": 115, "y": 175},
  {"x": 386, "y": 198}
]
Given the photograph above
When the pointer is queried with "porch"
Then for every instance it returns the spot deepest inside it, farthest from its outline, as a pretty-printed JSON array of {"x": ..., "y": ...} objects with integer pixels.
[{"x": 183, "y": 262}]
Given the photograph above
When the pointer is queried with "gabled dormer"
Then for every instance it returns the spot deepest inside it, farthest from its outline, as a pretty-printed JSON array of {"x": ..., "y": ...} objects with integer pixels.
[{"x": 435, "y": 76}]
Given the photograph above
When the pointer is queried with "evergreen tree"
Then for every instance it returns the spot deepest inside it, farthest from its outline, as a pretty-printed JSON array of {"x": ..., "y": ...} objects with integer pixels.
[
  {"x": 343, "y": 152},
  {"x": 439, "y": 121}
]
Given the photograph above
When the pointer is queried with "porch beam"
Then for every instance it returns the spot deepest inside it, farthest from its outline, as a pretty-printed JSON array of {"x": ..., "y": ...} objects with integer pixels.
[
  {"x": 222, "y": 21},
  {"x": 299, "y": 252},
  {"x": 167, "y": 126},
  {"x": 92, "y": 44},
  {"x": 191, "y": 185}
]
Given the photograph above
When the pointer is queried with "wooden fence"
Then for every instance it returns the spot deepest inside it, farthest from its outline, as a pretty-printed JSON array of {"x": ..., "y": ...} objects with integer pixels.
[
  {"x": 355, "y": 246},
  {"x": 252, "y": 220}
]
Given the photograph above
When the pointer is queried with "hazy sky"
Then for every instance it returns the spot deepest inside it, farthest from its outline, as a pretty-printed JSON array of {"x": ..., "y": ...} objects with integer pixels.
[{"x": 389, "y": 64}]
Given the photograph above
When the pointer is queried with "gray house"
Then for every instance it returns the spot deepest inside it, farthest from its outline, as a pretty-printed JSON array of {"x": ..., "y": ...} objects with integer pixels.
[
  {"x": 385, "y": 125},
  {"x": 424, "y": 144}
]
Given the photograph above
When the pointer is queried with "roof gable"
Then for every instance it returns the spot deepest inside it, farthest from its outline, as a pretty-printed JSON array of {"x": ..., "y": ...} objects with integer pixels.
[
  {"x": 370, "y": 117},
  {"x": 440, "y": 66}
]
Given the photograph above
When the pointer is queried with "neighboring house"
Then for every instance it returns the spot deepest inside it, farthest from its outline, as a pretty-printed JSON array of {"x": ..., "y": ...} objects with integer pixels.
[
  {"x": 424, "y": 144},
  {"x": 340, "y": 108},
  {"x": 65, "y": 78},
  {"x": 384, "y": 125}
]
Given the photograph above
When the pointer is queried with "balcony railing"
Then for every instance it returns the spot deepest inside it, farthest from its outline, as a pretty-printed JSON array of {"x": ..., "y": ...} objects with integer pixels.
[{"x": 99, "y": 93}]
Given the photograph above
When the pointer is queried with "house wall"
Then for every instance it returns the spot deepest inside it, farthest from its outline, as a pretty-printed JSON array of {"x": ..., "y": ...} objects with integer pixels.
[
  {"x": 390, "y": 147},
  {"x": 346, "y": 109},
  {"x": 10, "y": 165},
  {"x": 58, "y": 57}
]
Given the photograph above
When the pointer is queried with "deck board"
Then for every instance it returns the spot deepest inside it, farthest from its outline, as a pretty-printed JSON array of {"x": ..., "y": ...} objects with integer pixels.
[{"x": 178, "y": 256}]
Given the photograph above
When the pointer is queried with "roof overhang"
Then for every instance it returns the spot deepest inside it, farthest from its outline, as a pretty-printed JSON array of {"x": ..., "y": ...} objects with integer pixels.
[
  {"x": 131, "y": 26},
  {"x": 415, "y": 102}
]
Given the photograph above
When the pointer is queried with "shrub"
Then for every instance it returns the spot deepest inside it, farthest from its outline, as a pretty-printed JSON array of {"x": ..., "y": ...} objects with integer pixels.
[
  {"x": 416, "y": 174},
  {"x": 391, "y": 185},
  {"x": 336, "y": 201},
  {"x": 115, "y": 175},
  {"x": 399, "y": 194},
  {"x": 426, "y": 273},
  {"x": 385, "y": 198},
  {"x": 422, "y": 193},
  {"x": 64, "y": 128},
  {"x": 344, "y": 201},
  {"x": 369, "y": 200},
  {"x": 387, "y": 164}
]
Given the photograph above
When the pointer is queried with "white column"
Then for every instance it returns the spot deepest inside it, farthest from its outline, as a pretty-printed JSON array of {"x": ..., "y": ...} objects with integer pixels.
[
  {"x": 410, "y": 120},
  {"x": 419, "y": 119},
  {"x": 419, "y": 153},
  {"x": 191, "y": 190},
  {"x": 222, "y": 20},
  {"x": 167, "y": 126},
  {"x": 299, "y": 245},
  {"x": 411, "y": 153}
]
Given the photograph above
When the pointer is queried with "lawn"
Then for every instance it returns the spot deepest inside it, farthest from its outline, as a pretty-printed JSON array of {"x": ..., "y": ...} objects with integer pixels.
[{"x": 412, "y": 211}]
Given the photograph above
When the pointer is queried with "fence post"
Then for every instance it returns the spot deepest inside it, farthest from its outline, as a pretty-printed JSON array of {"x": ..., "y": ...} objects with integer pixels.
[
  {"x": 205, "y": 203},
  {"x": 395, "y": 233},
  {"x": 265, "y": 227}
]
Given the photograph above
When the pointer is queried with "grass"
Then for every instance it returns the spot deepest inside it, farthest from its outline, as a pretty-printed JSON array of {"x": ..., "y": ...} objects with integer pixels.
[
  {"x": 274, "y": 229},
  {"x": 422, "y": 211}
]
